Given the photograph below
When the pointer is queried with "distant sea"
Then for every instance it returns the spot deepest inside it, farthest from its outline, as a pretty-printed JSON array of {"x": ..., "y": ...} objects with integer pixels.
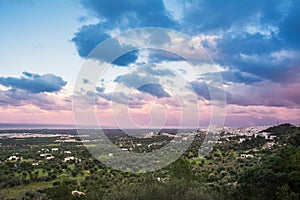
[
  {"x": 20, "y": 126},
  {"x": 35, "y": 126}
]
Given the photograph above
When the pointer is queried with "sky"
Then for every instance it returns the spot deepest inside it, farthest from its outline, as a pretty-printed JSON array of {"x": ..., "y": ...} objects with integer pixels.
[{"x": 253, "y": 45}]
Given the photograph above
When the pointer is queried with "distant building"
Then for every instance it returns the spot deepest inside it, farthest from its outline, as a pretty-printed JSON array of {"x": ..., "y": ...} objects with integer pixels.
[
  {"x": 247, "y": 156},
  {"x": 149, "y": 135},
  {"x": 45, "y": 155},
  {"x": 76, "y": 192},
  {"x": 45, "y": 150},
  {"x": 50, "y": 157},
  {"x": 71, "y": 158},
  {"x": 13, "y": 158}
]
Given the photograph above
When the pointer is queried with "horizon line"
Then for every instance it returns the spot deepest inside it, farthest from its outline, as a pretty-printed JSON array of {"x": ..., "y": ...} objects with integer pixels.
[{"x": 12, "y": 125}]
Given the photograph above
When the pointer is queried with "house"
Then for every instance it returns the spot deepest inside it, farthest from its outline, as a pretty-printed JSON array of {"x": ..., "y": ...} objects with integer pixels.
[
  {"x": 67, "y": 152},
  {"x": 50, "y": 157},
  {"x": 13, "y": 158},
  {"x": 45, "y": 150},
  {"x": 45, "y": 155},
  {"x": 54, "y": 149},
  {"x": 69, "y": 158},
  {"x": 247, "y": 155},
  {"x": 76, "y": 192}
]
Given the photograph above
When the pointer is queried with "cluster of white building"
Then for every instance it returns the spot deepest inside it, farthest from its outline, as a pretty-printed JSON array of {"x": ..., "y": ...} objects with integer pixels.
[{"x": 30, "y": 135}]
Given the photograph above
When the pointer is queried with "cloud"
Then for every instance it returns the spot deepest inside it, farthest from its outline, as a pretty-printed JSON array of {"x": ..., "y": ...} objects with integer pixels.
[
  {"x": 18, "y": 98},
  {"x": 34, "y": 83},
  {"x": 155, "y": 70},
  {"x": 246, "y": 43},
  {"x": 89, "y": 36},
  {"x": 131, "y": 14},
  {"x": 265, "y": 94},
  {"x": 85, "y": 81},
  {"x": 249, "y": 29},
  {"x": 212, "y": 16},
  {"x": 135, "y": 80},
  {"x": 260, "y": 115},
  {"x": 120, "y": 15},
  {"x": 279, "y": 66},
  {"x": 146, "y": 79},
  {"x": 33, "y": 89},
  {"x": 157, "y": 56},
  {"x": 154, "y": 89},
  {"x": 100, "y": 89},
  {"x": 121, "y": 98},
  {"x": 255, "y": 43},
  {"x": 289, "y": 27},
  {"x": 233, "y": 76},
  {"x": 207, "y": 93}
]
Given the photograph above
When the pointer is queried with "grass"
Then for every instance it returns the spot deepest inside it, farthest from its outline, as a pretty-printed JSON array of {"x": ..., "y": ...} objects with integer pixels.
[{"x": 18, "y": 191}]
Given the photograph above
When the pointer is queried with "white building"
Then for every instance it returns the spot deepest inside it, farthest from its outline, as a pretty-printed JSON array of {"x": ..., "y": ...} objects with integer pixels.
[
  {"x": 247, "y": 155},
  {"x": 11, "y": 158},
  {"x": 50, "y": 157}
]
